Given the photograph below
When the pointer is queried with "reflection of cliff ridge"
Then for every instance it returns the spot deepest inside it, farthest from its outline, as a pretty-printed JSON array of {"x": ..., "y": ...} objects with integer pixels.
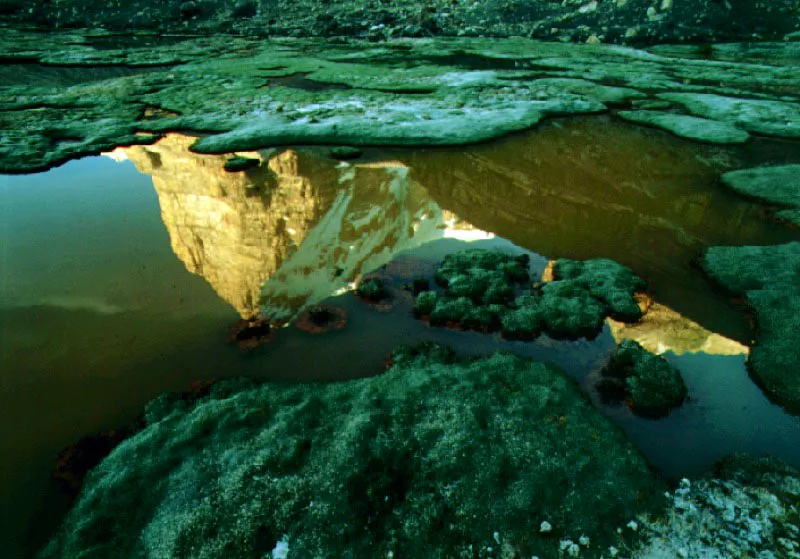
[
  {"x": 591, "y": 187},
  {"x": 300, "y": 224},
  {"x": 661, "y": 329}
]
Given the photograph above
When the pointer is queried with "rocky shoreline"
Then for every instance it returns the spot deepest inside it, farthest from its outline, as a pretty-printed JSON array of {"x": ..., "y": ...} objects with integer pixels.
[{"x": 635, "y": 22}]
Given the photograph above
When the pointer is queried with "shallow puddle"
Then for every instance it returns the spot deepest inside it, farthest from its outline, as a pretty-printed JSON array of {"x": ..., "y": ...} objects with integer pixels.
[{"x": 122, "y": 277}]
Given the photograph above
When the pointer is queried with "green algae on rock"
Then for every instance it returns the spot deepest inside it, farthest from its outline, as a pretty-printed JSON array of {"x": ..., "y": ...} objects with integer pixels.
[
  {"x": 437, "y": 457},
  {"x": 778, "y": 185},
  {"x": 372, "y": 289},
  {"x": 480, "y": 293},
  {"x": 650, "y": 385},
  {"x": 769, "y": 279}
]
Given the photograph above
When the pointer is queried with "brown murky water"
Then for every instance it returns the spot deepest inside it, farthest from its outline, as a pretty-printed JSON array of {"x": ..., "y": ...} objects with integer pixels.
[{"x": 121, "y": 280}]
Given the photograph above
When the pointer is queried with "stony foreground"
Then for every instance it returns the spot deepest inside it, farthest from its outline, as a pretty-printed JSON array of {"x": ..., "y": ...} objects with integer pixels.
[{"x": 496, "y": 457}]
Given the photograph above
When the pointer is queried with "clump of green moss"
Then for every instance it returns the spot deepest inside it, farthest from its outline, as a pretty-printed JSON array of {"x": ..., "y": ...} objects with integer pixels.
[
  {"x": 437, "y": 457},
  {"x": 647, "y": 382},
  {"x": 372, "y": 290},
  {"x": 481, "y": 293},
  {"x": 238, "y": 163}
]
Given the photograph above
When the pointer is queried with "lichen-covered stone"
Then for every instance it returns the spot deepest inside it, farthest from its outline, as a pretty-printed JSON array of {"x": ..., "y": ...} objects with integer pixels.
[
  {"x": 648, "y": 383},
  {"x": 434, "y": 458},
  {"x": 747, "y": 508},
  {"x": 769, "y": 278}
]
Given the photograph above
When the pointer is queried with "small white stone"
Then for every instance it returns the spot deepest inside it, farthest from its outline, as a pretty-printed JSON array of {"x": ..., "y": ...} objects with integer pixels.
[
  {"x": 584, "y": 541},
  {"x": 564, "y": 544},
  {"x": 496, "y": 536},
  {"x": 574, "y": 550},
  {"x": 613, "y": 551},
  {"x": 666, "y": 5},
  {"x": 632, "y": 525},
  {"x": 545, "y": 527}
]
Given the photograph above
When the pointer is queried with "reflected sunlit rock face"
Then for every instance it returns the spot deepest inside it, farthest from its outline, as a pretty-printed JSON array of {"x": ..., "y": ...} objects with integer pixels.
[
  {"x": 592, "y": 187},
  {"x": 290, "y": 232},
  {"x": 661, "y": 329}
]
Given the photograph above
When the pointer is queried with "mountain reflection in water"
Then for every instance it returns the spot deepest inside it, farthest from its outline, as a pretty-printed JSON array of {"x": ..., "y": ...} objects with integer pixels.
[
  {"x": 99, "y": 316},
  {"x": 588, "y": 188},
  {"x": 290, "y": 232}
]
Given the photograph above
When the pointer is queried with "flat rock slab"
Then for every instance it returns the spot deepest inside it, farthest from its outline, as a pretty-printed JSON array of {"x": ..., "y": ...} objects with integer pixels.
[
  {"x": 243, "y": 94},
  {"x": 437, "y": 457},
  {"x": 779, "y": 185},
  {"x": 771, "y": 118},
  {"x": 690, "y": 127}
]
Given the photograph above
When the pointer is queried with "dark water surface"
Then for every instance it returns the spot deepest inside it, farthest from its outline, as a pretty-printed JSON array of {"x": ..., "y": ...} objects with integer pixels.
[{"x": 122, "y": 279}]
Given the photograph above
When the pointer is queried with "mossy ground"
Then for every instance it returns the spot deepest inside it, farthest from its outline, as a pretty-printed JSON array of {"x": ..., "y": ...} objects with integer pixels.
[
  {"x": 438, "y": 457},
  {"x": 769, "y": 278}
]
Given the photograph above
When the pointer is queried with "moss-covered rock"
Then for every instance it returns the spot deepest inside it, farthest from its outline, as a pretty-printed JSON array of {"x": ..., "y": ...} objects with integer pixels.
[
  {"x": 424, "y": 303},
  {"x": 606, "y": 281},
  {"x": 372, "y": 289},
  {"x": 778, "y": 184},
  {"x": 246, "y": 94},
  {"x": 481, "y": 293},
  {"x": 647, "y": 382},
  {"x": 769, "y": 278},
  {"x": 434, "y": 458},
  {"x": 693, "y": 128},
  {"x": 569, "y": 310},
  {"x": 238, "y": 163}
]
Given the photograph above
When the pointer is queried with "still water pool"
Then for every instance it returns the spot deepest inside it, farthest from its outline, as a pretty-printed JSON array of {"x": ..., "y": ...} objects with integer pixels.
[{"x": 122, "y": 276}]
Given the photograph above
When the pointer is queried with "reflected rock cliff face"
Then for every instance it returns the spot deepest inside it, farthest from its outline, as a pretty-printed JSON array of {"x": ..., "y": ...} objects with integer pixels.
[
  {"x": 592, "y": 187},
  {"x": 661, "y": 330},
  {"x": 300, "y": 224}
]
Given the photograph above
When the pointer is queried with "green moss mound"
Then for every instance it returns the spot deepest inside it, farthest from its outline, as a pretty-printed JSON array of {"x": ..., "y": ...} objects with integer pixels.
[
  {"x": 372, "y": 289},
  {"x": 769, "y": 278},
  {"x": 437, "y": 457},
  {"x": 648, "y": 382},
  {"x": 489, "y": 291}
]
